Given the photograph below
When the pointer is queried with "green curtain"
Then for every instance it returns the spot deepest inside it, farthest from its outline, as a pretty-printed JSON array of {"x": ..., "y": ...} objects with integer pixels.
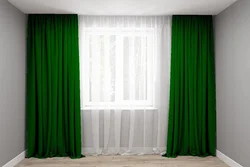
[
  {"x": 53, "y": 87},
  {"x": 192, "y": 111}
]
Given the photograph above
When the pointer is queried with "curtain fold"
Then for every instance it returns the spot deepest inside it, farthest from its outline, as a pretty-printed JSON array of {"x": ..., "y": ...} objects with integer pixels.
[
  {"x": 192, "y": 111},
  {"x": 53, "y": 87}
]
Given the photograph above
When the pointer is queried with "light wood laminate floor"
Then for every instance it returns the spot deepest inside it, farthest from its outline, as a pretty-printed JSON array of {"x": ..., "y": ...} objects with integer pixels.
[{"x": 124, "y": 161}]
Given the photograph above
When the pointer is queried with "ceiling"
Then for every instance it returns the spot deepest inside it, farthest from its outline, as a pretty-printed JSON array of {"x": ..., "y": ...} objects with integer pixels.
[{"x": 123, "y": 7}]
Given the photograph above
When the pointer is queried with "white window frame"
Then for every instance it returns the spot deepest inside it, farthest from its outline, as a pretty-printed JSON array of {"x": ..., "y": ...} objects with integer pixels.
[{"x": 119, "y": 103}]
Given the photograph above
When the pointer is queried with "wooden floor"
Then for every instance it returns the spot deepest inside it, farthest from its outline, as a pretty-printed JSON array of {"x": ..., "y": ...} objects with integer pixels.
[{"x": 124, "y": 161}]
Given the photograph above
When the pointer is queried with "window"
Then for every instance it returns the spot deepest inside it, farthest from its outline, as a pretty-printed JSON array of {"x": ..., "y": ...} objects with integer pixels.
[{"x": 118, "y": 67}]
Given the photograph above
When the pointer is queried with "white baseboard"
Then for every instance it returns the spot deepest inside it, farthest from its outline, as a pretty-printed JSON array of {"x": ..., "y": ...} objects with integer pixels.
[
  {"x": 227, "y": 160},
  {"x": 15, "y": 160}
]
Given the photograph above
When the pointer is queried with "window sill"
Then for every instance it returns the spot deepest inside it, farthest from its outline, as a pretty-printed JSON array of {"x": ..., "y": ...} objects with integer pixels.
[{"x": 118, "y": 108}]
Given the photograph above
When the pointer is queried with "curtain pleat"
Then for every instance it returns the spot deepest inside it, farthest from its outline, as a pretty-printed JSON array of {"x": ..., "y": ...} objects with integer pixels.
[
  {"x": 53, "y": 87},
  {"x": 192, "y": 112}
]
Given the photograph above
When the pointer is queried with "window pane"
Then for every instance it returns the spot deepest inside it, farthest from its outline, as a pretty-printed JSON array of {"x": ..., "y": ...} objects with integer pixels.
[
  {"x": 96, "y": 65},
  {"x": 100, "y": 40},
  {"x": 90, "y": 67},
  {"x": 139, "y": 75},
  {"x": 112, "y": 59},
  {"x": 106, "y": 49}
]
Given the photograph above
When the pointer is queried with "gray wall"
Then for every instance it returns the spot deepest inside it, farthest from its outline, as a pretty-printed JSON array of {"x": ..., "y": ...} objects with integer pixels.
[
  {"x": 12, "y": 81},
  {"x": 232, "y": 50}
]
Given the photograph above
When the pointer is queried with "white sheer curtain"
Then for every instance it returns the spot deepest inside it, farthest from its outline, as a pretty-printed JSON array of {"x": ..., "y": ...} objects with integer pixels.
[{"x": 125, "y": 71}]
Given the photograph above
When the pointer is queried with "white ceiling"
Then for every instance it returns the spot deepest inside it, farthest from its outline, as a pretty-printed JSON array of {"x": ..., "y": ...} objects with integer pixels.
[{"x": 123, "y": 7}]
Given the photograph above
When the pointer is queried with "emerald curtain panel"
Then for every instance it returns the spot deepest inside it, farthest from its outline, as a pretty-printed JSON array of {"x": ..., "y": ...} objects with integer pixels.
[
  {"x": 192, "y": 112},
  {"x": 53, "y": 87}
]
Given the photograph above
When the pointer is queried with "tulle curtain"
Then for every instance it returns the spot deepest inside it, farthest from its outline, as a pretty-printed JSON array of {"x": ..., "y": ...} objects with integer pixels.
[{"x": 125, "y": 70}]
